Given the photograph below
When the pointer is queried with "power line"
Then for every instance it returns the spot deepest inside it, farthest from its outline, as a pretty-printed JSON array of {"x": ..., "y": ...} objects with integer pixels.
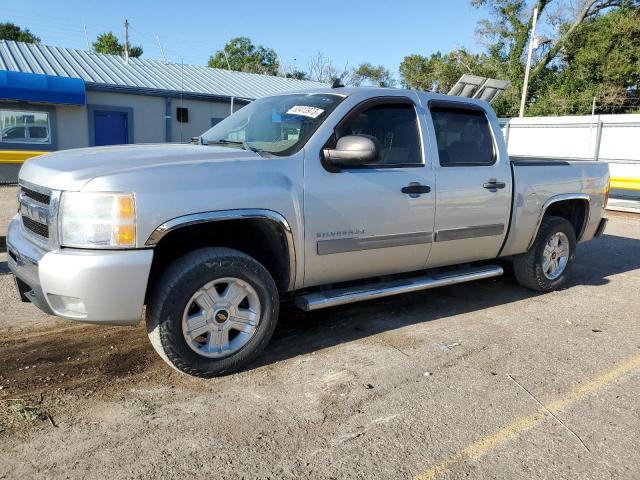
[{"x": 59, "y": 30}]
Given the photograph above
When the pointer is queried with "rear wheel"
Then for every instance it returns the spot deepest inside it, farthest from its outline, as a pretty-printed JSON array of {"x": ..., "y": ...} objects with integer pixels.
[
  {"x": 212, "y": 312},
  {"x": 547, "y": 264}
]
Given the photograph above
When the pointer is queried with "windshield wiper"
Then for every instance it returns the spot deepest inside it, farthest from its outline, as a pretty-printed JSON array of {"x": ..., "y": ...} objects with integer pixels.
[{"x": 242, "y": 143}]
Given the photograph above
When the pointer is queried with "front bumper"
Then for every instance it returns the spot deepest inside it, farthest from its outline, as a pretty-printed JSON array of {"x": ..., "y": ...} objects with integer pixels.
[{"x": 109, "y": 286}]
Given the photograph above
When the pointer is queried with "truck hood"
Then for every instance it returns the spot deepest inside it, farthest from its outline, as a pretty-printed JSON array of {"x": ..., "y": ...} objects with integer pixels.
[{"x": 72, "y": 169}]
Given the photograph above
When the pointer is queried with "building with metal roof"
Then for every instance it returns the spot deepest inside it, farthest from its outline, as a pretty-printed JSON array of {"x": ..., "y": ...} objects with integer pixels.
[{"x": 55, "y": 98}]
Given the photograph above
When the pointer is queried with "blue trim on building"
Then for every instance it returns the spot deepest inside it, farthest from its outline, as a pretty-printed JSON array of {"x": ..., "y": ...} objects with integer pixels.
[
  {"x": 96, "y": 87},
  {"x": 33, "y": 87}
]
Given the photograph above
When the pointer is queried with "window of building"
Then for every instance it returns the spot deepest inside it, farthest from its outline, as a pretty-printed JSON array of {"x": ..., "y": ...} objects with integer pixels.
[
  {"x": 28, "y": 127},
  {"x": 464, "y": 137},
  {"x": 182, "y": 115},
  {"x": 396, "y": 128}
]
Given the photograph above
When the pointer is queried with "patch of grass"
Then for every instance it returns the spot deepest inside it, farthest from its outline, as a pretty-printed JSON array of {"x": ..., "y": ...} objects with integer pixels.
[
  {"x": 16, "y": 411},
  {"x": 146, "y": 407}
]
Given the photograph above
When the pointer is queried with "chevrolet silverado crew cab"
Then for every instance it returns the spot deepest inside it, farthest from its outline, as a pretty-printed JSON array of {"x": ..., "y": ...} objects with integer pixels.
[{"x": 325, "y": 197}]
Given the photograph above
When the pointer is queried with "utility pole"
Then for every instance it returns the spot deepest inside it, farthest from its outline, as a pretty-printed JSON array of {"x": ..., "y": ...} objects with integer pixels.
[
  {"x": 525, "y": 85},
  {"x": 226, "y": 57},
  {"x": 86, "y": 37},
  {"x": 126, "y": 41},
  {"x": 161, "y": 49}
]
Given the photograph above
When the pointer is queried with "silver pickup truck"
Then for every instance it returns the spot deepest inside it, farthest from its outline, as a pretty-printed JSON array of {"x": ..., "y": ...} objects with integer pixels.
[{"x": 325, "y": 197}]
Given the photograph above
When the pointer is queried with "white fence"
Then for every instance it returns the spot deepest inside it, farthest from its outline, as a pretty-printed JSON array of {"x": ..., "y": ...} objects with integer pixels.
[{"x": 609, "y": 138}]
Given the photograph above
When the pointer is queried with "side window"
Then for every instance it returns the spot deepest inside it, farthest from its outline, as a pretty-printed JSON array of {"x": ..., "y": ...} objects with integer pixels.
[
  {"x": 395, "y": 126},
  {"x": 39, "y": 133},
  {"x": 18, "y": 126},
  {"x": 464, "y": 137},
  {"x": 14, "y": 133}
]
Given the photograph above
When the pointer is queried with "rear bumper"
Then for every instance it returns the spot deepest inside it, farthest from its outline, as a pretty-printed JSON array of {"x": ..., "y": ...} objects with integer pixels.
[
  {"x": 601, "y": 226},
  {"x": 94, "y": 286}
]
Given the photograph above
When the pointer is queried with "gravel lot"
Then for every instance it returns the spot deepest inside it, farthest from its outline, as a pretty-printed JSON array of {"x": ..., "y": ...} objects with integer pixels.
[{"x": 458, "y": 382}]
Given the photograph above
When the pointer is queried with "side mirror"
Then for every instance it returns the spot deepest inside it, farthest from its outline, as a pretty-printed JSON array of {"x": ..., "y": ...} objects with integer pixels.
[{"x": 354, "y": 150}]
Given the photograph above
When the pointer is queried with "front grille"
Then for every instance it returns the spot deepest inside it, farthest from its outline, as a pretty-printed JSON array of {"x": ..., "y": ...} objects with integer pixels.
[
  {"x": 37, "y": 196},
  {"x": 36, "y": 227}
]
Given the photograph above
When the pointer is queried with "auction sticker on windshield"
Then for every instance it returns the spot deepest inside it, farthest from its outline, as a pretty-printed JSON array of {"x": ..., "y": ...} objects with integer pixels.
[{"x": 305, "y": 111}]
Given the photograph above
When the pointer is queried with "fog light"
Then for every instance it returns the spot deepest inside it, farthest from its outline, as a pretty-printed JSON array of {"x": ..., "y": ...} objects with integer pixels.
[{"x": 69, "y": 306}]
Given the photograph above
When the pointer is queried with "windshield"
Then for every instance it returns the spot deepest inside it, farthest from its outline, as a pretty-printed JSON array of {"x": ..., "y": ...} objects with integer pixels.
[{"x": 279, "y": 125}]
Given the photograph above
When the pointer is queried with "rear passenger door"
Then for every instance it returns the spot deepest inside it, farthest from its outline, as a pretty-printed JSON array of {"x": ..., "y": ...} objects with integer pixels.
[{"x": 473, "y": 180}]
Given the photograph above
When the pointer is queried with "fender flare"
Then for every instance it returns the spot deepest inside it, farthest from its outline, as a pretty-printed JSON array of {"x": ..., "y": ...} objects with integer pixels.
[
  {"x": 561, "y": 198},
  {"x": 222, "y": 215}
]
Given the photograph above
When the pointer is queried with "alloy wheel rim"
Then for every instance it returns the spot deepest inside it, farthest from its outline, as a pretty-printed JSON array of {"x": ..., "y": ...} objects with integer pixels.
[
  {"x": 555, "y": 255},
  {"x": 221, "y": 317}
]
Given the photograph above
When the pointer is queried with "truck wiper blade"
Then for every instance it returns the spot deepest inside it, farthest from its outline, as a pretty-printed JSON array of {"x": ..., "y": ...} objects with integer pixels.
[{"x": 242, "y": 143}]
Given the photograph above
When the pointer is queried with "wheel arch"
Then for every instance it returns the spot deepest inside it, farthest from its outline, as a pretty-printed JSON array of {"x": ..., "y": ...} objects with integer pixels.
[
  {"x": 263, "y": 234},
  {"x": 573, "y": 207}
]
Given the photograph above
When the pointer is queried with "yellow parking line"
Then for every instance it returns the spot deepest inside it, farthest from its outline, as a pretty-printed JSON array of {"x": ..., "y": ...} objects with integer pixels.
[{"x": 489, "y": 442}]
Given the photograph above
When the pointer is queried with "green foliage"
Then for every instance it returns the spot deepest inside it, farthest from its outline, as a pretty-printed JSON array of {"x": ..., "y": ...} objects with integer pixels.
[
  {"x": 108, "y": 43},
  {"x": 297, "y": 74},
  {"x": 594, "y": 52},
  {"x": 241, "y": 55},
  {"x": 11, "y": 31},
  {"x": 440, "y": 72},
  {"x": 367, "y": 73}
]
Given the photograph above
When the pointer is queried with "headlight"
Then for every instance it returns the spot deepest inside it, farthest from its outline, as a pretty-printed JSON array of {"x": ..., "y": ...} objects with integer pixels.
[{"x": 97, "y": 220}]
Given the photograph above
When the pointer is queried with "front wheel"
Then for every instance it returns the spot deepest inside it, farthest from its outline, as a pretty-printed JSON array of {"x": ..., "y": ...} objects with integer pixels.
[
  {"x": 212, "y": 311},
  {"x": 547, "y": 264}
]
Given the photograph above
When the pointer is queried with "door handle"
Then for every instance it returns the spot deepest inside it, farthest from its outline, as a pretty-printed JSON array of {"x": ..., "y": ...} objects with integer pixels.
[
  {"x": 494, "y": 185},
  {"x": 415, "y": 189}
]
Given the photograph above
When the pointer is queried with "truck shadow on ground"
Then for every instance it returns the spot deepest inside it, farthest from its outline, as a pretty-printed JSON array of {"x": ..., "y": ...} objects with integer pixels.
[
  {"x": 86, "y": 357},
  {"x": 300, "y": 332}
]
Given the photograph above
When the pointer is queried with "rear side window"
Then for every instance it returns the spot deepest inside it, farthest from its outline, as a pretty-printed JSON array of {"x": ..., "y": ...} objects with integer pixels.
[
  {"x": 38, "y": 133},
  {"x": 464, "y": 137}
]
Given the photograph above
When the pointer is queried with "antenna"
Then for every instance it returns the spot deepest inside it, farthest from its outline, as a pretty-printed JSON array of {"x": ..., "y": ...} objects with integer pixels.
[
  {"x": 126, "y": 41},
  {"x": 161, "y": 49},
  {"x": 86, "y": 37}
]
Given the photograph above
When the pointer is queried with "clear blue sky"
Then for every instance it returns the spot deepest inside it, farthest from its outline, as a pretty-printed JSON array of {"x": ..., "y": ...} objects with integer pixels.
[{"x": 348, "y": 32}]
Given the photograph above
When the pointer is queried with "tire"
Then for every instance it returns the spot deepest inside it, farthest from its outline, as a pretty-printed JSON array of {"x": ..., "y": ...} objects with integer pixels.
[
  {"x": 194, "y": 295},
  {"x": 529, "y": 267}
]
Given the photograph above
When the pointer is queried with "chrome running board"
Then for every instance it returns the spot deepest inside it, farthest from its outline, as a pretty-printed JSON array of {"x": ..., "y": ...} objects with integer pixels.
[{"x": 333, "y": 298}]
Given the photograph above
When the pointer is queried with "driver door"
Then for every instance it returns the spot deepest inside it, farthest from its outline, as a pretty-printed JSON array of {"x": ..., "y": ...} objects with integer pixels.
[{"x": 358, "y": 221}]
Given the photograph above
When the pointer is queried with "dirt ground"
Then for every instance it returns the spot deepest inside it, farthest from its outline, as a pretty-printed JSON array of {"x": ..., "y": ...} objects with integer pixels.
[{"x": 483, "y": 380}]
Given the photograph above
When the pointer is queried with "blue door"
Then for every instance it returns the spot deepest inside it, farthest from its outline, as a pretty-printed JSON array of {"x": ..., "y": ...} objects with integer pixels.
[{"x": 111, "y": 128}]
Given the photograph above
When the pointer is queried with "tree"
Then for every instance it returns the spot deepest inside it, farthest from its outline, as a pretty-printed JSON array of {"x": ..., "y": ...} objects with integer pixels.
[
  {"x": 377, "y": 76},
  {"x": 297, "y": 74},
  {"x": 600, "y": 59},
  {"x": 508, "y": 30},
  {"x": 108, "y": 43},
  {"x": 241, "y": 55},
  {"x": 11, "y": 31},
  {"x": 322, "y": 69},
  {"x": 440, "y": 72},
  {"x": 584, "y": 50}
]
